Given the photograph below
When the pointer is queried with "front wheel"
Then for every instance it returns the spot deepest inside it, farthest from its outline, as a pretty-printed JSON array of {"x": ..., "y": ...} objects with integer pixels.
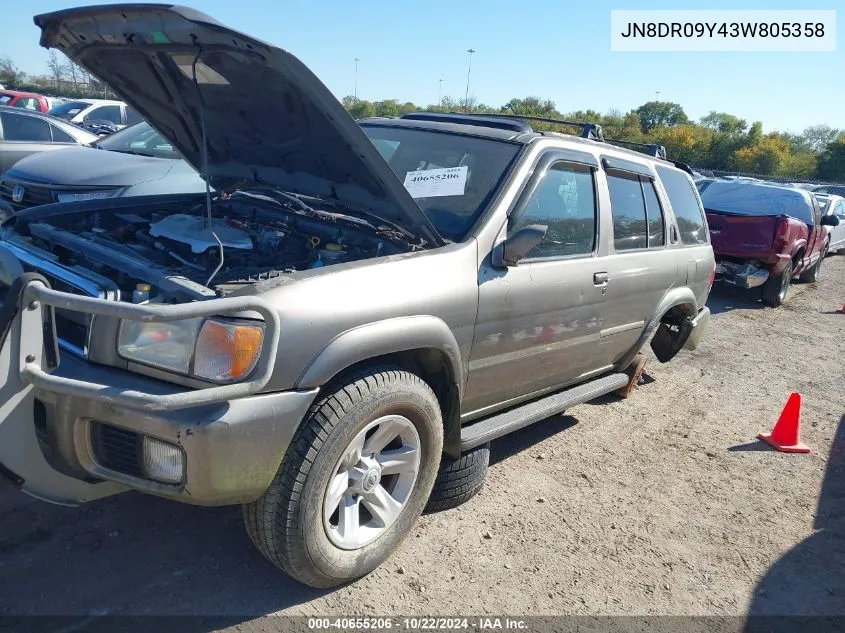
[
  {"x": 355, "y": 478},
  {"x": 775, "y": 288}
]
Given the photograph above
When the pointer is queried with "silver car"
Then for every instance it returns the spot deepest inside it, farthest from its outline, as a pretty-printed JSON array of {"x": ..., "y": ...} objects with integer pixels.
[
  {"x": 23, "y": 133},
  {"x": 834, "y": 205},
  {"x": 332, "y": 338}
]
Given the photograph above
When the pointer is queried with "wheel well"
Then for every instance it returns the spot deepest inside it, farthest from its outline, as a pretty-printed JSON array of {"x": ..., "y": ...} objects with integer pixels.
[
  {"x": 676, "y": 314},
  {"x": 433, "y": 366},
  {"x": 672, "y": 331},
  {"x": 796, "y": 259}
]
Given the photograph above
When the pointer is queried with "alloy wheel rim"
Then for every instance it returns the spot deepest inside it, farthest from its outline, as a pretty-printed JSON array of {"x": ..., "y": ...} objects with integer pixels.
[{"x": 371, "y": 482}]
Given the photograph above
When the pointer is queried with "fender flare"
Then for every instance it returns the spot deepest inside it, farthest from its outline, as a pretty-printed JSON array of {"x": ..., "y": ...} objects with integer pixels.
[
  {"x": 797, "y": 247},
  {"x": 675, "y": 297},
  {"x": 389, "y": 336}
]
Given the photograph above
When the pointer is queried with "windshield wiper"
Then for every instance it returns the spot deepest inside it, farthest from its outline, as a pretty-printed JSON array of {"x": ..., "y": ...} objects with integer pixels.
[
  {"x": 131, "y": 151},
  {"x": 296, "y": 204}
]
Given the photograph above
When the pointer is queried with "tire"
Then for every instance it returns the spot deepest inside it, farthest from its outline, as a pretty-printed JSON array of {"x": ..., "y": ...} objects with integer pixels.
[
  {"x": 291, "y": 524},
  {"x": 459, "y": 480},
  {"x": 775, "y": 288},
  {"x": 812, "y": 275}
]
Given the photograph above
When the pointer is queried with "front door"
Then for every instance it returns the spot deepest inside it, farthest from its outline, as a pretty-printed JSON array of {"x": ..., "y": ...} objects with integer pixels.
[{"x": 538, "y": 322}]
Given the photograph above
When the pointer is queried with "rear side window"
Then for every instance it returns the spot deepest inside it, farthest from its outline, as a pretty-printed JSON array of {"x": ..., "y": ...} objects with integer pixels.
[
  {"x": 654, "y": 214},
  {"x": 628, "y": 209},
  {"x": 27, "y": 103},
  {"x": 25, "y": 128},
  {"x": 110, "y": 113},
  {"x": 132, "y": 117},
  {"x": 60, "y": 136},
  {"x": 688, "y": 211}
]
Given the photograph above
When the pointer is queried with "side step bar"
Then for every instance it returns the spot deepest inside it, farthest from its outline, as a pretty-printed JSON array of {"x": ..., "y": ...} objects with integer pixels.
[{"x": 514, "y": 419}]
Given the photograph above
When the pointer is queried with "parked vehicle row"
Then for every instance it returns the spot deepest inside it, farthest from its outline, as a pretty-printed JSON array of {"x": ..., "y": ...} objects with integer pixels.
[
  {"x": 23, "y": 133},
  {"x": 334, "y": 334},
  {"x": 135, "y": 161},
  {"x": 765, "y": 234}
]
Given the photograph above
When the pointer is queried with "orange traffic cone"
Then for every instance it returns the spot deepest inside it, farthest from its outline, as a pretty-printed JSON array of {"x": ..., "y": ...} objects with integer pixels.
[{"x": 786, "y": 436}]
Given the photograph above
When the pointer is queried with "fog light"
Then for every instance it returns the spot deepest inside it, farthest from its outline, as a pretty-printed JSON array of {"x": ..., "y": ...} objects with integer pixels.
[{"x": 163, "y": 462}]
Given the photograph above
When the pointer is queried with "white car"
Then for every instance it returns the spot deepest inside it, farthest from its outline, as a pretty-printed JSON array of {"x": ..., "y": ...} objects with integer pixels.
[
  {"x": 834, "y": 205},
  {"x": 82, "y": 111}
]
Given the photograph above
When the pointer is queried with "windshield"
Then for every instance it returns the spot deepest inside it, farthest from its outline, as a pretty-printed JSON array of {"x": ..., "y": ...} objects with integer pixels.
[
  {"x": 68, "y": 110},
  {"x": 462, "y": 172},
  {"x": 139, "y": 139}
]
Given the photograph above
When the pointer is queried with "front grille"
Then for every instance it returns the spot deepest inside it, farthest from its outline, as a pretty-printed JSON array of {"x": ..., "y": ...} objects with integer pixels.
[
  {"x": 33, "y": 194},
  {"x": 117, "y": 449}
]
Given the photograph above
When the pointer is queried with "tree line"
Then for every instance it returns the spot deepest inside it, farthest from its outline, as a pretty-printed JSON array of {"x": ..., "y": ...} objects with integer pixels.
[
  {"x": 719, "y": 140},
  {"x": 62, "y": 78}
]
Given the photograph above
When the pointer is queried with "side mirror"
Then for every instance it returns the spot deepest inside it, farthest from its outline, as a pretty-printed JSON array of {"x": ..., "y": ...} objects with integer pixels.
[
  {"x": 830, "y": 220},
  {"x": 518, "y": 245}
]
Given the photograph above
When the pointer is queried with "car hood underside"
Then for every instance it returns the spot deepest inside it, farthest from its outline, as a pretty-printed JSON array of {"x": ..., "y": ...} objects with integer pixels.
[{"x": 267, "y": 119}]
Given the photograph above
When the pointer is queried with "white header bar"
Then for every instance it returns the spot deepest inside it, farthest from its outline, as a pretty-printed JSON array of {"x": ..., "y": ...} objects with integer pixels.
[{"x": 706, "y": 30}]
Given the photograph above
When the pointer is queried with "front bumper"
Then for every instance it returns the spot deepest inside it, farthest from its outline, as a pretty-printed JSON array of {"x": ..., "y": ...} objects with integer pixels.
[
  {"x": 231, "y": 438},
  {"x": 232, "y": 449}
]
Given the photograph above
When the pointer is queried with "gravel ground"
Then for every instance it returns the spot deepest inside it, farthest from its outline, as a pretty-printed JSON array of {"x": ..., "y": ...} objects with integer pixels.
[{"x": 659, "y": 504}]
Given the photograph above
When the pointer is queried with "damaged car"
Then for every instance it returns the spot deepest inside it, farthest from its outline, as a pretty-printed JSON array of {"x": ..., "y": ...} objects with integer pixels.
[{"x": 332, "y": 334}]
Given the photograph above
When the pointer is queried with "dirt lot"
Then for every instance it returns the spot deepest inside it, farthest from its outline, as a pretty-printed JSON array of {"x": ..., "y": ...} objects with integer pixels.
[{"x": 659, "y": 504}]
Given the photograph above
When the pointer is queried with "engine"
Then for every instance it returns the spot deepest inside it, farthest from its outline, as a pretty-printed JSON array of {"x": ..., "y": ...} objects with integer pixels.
[{"x": 244, "y": 244}]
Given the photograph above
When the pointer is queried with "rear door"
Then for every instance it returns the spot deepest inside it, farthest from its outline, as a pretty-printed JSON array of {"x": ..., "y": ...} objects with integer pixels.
[{"x": 640, "y": 267}]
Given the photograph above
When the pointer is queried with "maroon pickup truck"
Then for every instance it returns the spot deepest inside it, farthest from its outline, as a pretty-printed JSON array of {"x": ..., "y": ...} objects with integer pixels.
[{"x": 765, "y": 235}]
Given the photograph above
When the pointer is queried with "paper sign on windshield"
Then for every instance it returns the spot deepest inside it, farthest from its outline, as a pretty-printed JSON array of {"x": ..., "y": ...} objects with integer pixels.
[{"x": 431, "y": 183}]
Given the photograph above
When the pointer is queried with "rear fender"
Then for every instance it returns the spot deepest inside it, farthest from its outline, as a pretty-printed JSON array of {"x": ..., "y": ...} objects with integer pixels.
[
  {"x": 798, "y": 257},
  {"x": 683, "y": 298}
]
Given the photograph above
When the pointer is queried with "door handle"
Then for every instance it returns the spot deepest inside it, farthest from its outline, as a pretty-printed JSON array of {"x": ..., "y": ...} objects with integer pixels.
[{"x": 600, "y": 279}]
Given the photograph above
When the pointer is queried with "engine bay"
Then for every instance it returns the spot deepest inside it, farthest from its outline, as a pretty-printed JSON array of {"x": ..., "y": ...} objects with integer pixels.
[{"x": 172, "y": 254}]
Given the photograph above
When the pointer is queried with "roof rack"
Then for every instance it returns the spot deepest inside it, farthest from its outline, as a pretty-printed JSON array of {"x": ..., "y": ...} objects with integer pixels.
[
  {"x": 658, "y": 151},
  {"x": 466, "y": 118},
  {"x": 517, "y": 123},
  {"x": 514, "y": 122},
  {"x": 588, "y": 130}
]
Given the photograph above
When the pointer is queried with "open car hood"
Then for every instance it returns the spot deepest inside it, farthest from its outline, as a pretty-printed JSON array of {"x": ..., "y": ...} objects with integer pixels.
[{"x": 268, "y": 119}]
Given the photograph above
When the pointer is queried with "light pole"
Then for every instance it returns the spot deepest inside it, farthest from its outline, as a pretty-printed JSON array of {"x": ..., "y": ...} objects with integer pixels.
[
  {"x": 469, "y": 70},
  {"x": 356, "y": 78},
  {"x": 440, "y": 92}
]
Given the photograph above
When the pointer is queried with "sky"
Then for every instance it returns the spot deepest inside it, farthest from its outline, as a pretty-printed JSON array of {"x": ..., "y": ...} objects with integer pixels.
[{"x": 554, "y": 50}]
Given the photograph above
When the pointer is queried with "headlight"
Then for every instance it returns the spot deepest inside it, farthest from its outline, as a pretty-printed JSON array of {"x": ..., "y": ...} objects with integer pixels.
[
  {"x": 90, "y": 195},
  {"x": 211, "y": 349}
]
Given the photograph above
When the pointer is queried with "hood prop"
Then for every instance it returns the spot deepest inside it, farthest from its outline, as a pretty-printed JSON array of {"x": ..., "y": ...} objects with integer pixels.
[{"x": 209, "y": 220}]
